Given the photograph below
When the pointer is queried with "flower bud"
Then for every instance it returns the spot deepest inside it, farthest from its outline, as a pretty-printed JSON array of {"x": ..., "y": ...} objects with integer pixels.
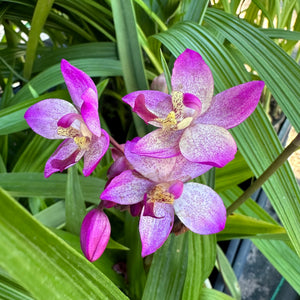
[{"x": 94, "y": 234}]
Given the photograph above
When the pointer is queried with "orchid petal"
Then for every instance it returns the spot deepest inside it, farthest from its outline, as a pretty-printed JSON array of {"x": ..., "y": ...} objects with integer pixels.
[
  {"x": 95, "y": 152},
  {"x": 127, "y": 188},
  {"x": 159, "y": 83},
  {"x": 159, "y": 143},
  {"x": 231, "y": 107},
  {"x": 89, "y": 111},
  {"x": 193, "y": 102},
  {"x": 66, "y": 155},
  {"x": 68, "y": 119},
  {"x": 158, "y": 103},
  {"x": 192, "y": 75},
  {"x": 155, "y": 231},
  {"x": 200, "y": 209},
  {"x": 77, "y": 83},
  {"x": 141, "y": 110},
  {"x": 43, "y": 116},
  {"x": 208, "y": 144},
  {"x": 163, "y": 169},
  {"x": 94, "y": 234},
  {"x": 176, "y": 189}
]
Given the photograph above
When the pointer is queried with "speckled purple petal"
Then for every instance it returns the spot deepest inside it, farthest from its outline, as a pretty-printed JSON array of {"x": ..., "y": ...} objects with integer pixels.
[
  {"x": 127, "y": 188},
  {"x": 233, "y": 106},
  {"x": 43, "y": 116},
  {"x": 192, "y": 75},
  {"x": 191, "y": 101},
  {"x": 66, "y": 155},
  {"x": 155, "y": 231},
  {"x": 159, "y": 143},
  {"x": 158, "y": 103},
  {"x": 95, "y": 152},
  {"x": 209, "y": 144},
  {"x": 200, "y": 209},
  {"x": 67, "y": 120},
  {"x": 77, "y": 83},
  {"x": 176, "y": 189},
  {"x": 164, "y": 169},
  {"x": 89, "y": 111},
  {"x": 94, "y": 234}
]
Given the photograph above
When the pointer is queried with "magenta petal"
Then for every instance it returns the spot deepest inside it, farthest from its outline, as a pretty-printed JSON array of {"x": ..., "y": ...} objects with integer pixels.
[
  {"x": 95, "y": 152},
  {"x": 94, "y": 234},
  {"x": 66, "y": 155},
  {"x": 159, "y": 143},
  {"x": 155, "y": 231},
  {"x": 191, "y": 101},
  {"x": 43, "y": 116},
  {"x": 200, "y": 209},
  {"x": 127, "y": 188},
  {"x": 233, "y": 106},
  {"x": 67, "y": 120},
  {"x": 158, "y": 103},
  {"x": 142, "y": 111},
  {"x": 77, "y": 83},
  {"x": 208, "y": 144},
  {"x": 89, "y": 111},
  {"x": 176, "y": 189},
  {"x": 192, "y": 75}
]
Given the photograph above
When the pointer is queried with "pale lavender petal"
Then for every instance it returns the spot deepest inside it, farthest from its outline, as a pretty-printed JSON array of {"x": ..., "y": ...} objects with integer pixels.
[
  {"x": 159, "y": 143},
  {"x": 159, "y": 83},
  {"x": 176, "y": 189},
  {"x": 89, "y": 111},
  {"x": 94, "y": 234},
  {"x": 95, "y": 152},
  {"x": 209, "y": 144},
  {"x": 155, "y": 231},
  {"x": 120, "y": 165},
  {"x": 192, "y": 75},
  {"x": 164, "y": 169},
  {"x": 233, "y": 106},
  {"x": 77, "y": 83},
  {"x": 127, "y": 188},
  {"x": 200, "y": 209},
  {"x": 66, "y": 155},
  {"x": 43, "y": 116},
  {"x": 141, "y": 110},
  {"x": 158, "y": 103}
]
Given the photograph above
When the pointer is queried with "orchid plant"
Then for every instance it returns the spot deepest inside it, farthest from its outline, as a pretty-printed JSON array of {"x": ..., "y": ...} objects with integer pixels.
[{"x": 151, "y": 174}]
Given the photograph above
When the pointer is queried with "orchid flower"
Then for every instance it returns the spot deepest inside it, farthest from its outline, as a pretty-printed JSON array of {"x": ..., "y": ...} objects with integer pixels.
[
  {"x": 192, "y": 121},
  {"x": 156, "y": 185},
  {"x": 78, "y": 125}
]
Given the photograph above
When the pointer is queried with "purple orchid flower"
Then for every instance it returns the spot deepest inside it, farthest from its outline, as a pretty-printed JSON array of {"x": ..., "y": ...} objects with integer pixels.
[
  {"x": 94, "y": 234},
  {"x": 78, "y": 125},
  {"x": 191, "y": 120},
  {"x": 156, "y": 187}
]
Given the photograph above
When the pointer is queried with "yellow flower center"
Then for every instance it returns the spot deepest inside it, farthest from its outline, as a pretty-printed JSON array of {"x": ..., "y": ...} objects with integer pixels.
[{"x": 160, "y": 194}]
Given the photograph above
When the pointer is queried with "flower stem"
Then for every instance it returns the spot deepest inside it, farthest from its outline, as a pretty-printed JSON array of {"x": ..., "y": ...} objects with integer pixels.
[
  {"x": 115, "y": 144},
  {"x": 278, "y": 162}
]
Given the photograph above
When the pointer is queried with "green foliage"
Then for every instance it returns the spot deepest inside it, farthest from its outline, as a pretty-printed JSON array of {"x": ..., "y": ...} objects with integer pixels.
[{"x": 123, "y": 44}]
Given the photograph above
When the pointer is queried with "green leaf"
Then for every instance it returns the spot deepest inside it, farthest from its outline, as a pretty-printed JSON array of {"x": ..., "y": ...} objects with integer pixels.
[
  {"x": 33, "y": 255},
  {"x": 166, "y": 277},
  {"x": 201, "y": 260},
  {"x": 241, "y": 226},
  {"x": 210, "y": 294},
  {"x": 40, "y": 15},
  {"x": 228, "y": 274},
  {"x": 130, "y": 52},
  {"x": 74, "y": 204},
  {"x": 36, "y": 185},
  {"x": 194, "y": 10}
]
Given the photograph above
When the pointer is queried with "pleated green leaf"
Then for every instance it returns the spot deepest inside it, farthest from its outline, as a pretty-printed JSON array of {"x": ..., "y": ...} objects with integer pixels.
[
  {"x": 201, "y": 261},
  {"x": 228, "y": 274},
  {"x": 166, "y": 277},
  {"x": 255, "y": 137},
  {"x": 210, "y": 294},
  {"x": 33, "y": 255},
  {"x": 36, "y": 185},
  {"x": 130, "y": 52},
  {"x": 279, "y": 253}
]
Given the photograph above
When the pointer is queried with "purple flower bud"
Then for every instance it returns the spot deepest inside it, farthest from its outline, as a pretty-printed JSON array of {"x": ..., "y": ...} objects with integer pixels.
[{"x": 94, "y": 234}]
